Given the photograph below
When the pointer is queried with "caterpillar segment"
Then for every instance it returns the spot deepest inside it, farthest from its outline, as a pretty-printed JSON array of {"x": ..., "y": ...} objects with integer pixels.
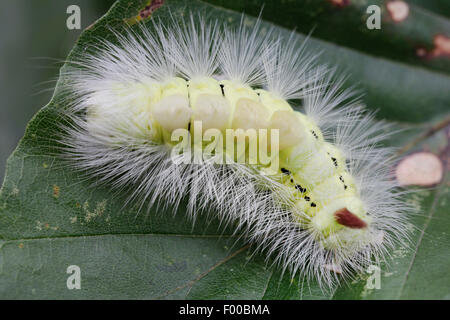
[{"x": 324, "y": 197}]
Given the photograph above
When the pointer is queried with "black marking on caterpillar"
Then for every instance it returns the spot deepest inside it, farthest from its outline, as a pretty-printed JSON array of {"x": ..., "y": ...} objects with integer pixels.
[{"x": 334, "y": 161}]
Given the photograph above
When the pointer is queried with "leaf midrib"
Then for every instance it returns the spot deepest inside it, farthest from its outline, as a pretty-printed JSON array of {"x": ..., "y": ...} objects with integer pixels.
[{"x": 181, "y": 235}]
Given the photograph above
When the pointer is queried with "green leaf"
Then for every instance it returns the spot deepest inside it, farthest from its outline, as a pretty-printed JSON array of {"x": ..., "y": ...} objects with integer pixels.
[{"x": 51, "y": 218}]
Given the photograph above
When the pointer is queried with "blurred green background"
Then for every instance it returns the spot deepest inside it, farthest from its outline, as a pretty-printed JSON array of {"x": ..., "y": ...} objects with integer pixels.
[{"x": 33, "y": 40}]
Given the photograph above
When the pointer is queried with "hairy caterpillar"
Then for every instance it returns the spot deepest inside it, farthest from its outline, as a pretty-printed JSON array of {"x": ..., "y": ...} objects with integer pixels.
[{"x": 323, "y": 201}]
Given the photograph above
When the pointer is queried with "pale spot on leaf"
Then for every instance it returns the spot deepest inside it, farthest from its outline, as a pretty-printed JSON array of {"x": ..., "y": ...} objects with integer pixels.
[
  {"x": 420, "y": 169},
  {"x": 398, "y": 10}
]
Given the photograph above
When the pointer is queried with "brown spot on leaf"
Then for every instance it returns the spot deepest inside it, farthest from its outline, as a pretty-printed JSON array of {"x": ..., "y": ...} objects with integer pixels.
[
  {"x": 56, "y": 191},
  {"x": 150, "y": 8},
  {"x": 421, "y": 169},
  {"x": 21, "y": 245},
  {"x": 398, "y": 10},
  {"x": 421, "y": 52},
  {"x": 146, "y": 12},
  {"x": 442, "y": 42},
  {"x": 348, "y": 219},
  {"x": 340, "y": 3},
  {"x": 441, "y": 48}
]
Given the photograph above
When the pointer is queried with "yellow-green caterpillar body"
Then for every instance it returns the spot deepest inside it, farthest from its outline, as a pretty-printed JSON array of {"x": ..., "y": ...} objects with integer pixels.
[{"x": 244, "y": 123}]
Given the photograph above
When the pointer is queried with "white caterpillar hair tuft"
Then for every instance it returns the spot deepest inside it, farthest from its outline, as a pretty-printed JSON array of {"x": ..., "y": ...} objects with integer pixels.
[{"x": 115, "y": 90}]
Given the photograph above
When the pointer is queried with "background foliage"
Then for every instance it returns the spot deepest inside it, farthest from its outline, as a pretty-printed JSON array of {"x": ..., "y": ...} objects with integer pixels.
[{"x": 34, "y": 39}]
